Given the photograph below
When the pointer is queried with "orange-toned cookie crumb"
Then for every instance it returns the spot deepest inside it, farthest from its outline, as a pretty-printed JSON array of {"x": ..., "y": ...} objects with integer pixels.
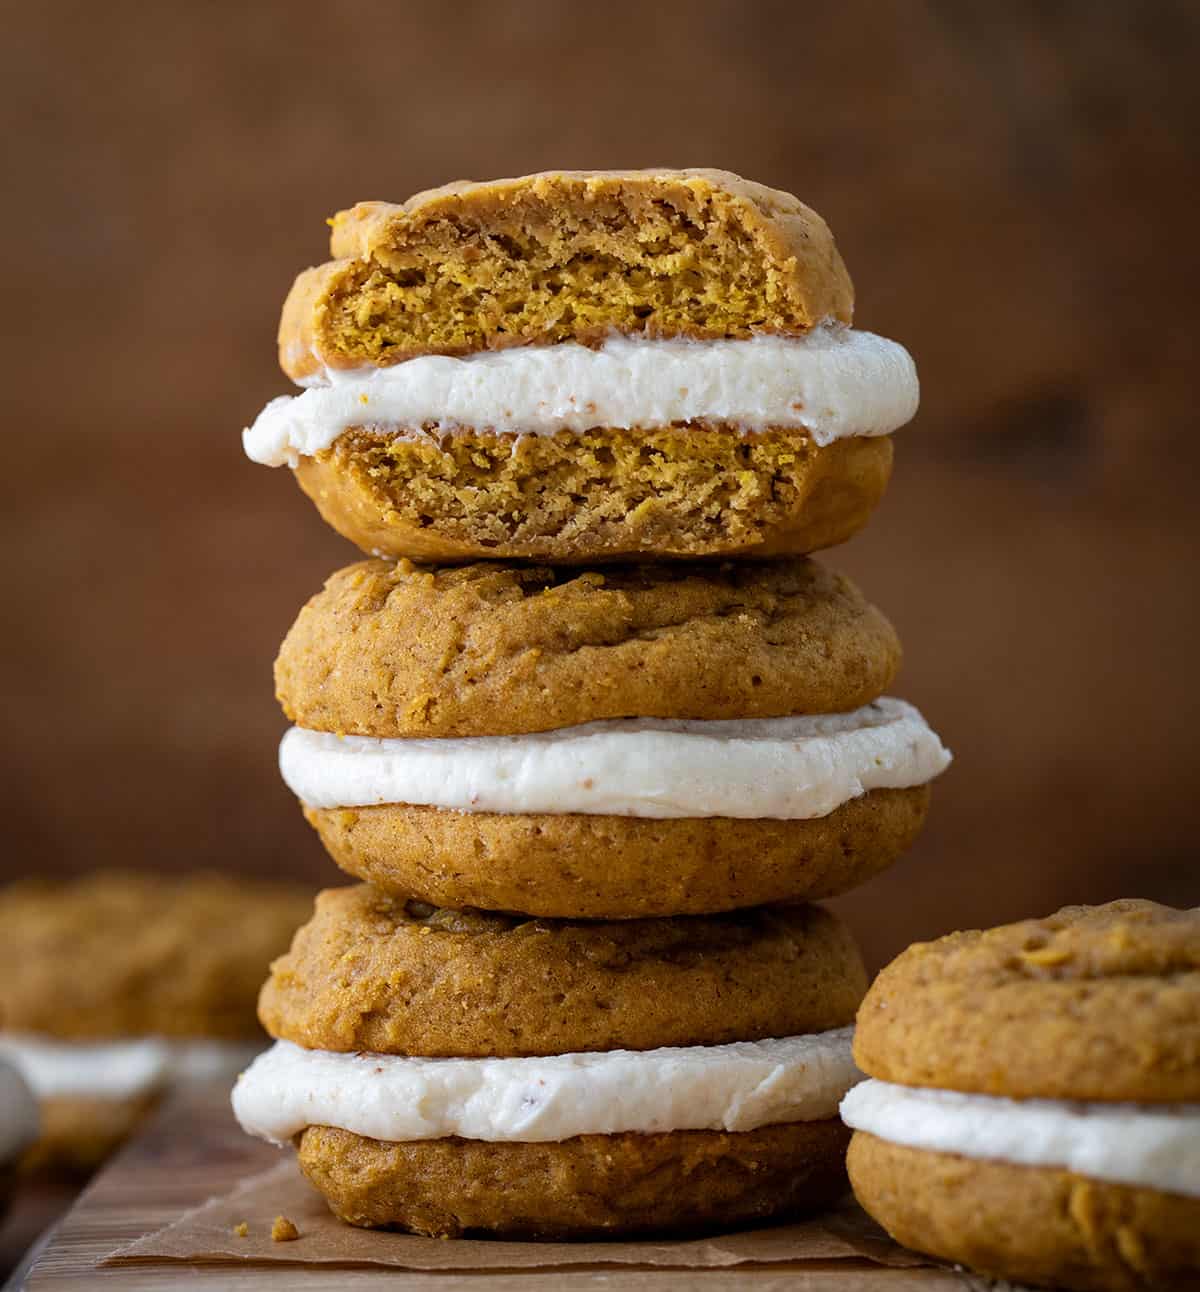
[{"x": 284, "y": 1231}]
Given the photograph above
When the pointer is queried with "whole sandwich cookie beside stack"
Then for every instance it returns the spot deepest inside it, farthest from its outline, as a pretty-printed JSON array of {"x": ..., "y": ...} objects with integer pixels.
[
  {"x": 589, "y": 766},
  {"x": 578, "y": 367},
  {"x": 1034, "y": 1108},
  {"x": 115, "y": 985},
  {"x": 448, "y": 1071}
]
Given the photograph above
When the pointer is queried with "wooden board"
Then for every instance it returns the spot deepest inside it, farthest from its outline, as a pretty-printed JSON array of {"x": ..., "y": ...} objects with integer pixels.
[{"x": 193, "y": 1150}]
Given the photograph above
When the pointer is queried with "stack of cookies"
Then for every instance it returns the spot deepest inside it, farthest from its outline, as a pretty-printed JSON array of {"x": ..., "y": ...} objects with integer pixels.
[{"x": 595, "y": 753}]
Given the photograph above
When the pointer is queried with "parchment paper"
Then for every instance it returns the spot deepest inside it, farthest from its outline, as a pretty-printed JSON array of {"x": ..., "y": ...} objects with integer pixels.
[{"x": 208, "y": 1233}]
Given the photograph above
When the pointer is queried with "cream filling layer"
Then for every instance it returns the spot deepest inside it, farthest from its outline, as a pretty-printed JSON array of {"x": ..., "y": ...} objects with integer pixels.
[
  {"x": 834, "y": 382},
  {"x": 393, "y": 1097},
  {"x": 118, "y": 1069},
  {"x": 782, "y": 768},
  {"x": 1154, "y": 1146}
]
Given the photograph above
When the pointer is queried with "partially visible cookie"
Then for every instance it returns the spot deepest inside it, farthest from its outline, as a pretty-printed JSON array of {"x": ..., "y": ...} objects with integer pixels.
[
  {"x": 1090, "y": 1003},
  {"x": 588, "y": 1186},
  {"x": 546, "y": 864},
  {"x": 115, "y": 985},
  {"x": 1033, "y": 1111},
  {"x": 374, "y": 973}
]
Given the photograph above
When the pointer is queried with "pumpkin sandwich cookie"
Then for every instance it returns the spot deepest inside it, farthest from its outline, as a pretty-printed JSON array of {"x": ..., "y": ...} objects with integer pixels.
[
  {"x": 577, "y": 367},
  {"x": 647, "y": 741},
  {"x": 454, "y": 1071},
  {"x": 115, "y": 985},
  {"x": 1034, "y": 1111}
]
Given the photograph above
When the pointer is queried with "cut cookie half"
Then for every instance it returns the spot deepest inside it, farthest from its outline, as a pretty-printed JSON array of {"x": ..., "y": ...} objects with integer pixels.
[{"x": 586, "y": 368}]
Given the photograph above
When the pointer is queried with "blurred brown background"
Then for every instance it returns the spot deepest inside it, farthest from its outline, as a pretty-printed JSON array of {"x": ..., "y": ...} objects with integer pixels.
[{"x": 1014, "y": 188}]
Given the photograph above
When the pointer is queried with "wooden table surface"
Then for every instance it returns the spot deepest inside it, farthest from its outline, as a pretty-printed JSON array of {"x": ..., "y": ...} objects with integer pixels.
[{"x": 193, "y": 1151}]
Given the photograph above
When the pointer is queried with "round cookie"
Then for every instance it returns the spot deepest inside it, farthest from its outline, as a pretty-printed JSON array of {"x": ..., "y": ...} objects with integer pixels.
[
  {"x": 77, "y": 1133},
  {"x": 374, "y": 973},
  {"x": 1028, "y": 1224},
  {"x": 394, "y": 650},
  {"x": 603, "y": 495},
  {"x": 1032, "y": 1108},
  {"x": 590, "y": 1185},
  {"x": 545, "y": 865},
  {"x": 1091, "y": 1003}
]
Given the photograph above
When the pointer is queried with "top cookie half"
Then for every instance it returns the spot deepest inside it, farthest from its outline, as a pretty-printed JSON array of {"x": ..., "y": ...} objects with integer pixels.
[
  {"x": 577, "y": 367},
  {"x": 1092, "y": 1003},
  {"x": 566, "y": 255}
]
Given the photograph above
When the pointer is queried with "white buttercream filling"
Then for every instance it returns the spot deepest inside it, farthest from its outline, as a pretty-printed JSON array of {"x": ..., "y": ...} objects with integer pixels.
[
  {"x": 393, "y": 1097},
  {"x": 832, "y": 383},
  {"x": 18, "y": 1113},
  {"x": 1155, "y": 1146},
  {"x": 783, "y": 768},
  {"x": 118, "y": 1069}
]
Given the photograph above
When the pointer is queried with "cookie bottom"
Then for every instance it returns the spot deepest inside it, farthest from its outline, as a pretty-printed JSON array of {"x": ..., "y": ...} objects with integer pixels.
[
  {"x": 78, "y": 1133},
  {"x": 1028, "y": 1224},
  {"x": 592, "y": 1185},
  {"x": 603, "y": 495},
  {"x": 610, "y": 867}
]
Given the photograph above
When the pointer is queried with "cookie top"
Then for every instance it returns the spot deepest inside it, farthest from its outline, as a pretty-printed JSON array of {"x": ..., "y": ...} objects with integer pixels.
[
  {"x": 118, "y": 954},
  {"x": 377, "y": 973},
  {"x": 563, "y": 255},
  {"x": 1095, "y": 1002},
  {"x": 489, "y": 649}
]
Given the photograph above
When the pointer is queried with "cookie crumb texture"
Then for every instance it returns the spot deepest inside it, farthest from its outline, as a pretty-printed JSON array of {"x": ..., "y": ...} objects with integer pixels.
[
  {"x": 1029, "y": 1224},
  {"x": 283, "y": 1230},
  {"x": 608, "y": 867},
  {"x": 592, "y": 1185},
  {"x": 563, "y": 256},
  {"x": 1095, "y": 1002},
  {"x": 116, "y": 954},
  {"x": 604, "y": 495},
  {"x": 393, "y": 649},
  {"x": 375, "y": 973}
]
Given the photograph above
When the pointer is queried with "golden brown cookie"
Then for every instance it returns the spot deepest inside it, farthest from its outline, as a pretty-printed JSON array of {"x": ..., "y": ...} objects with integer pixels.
[
  {"x": 591, "y": 1185},
  {"x": 1089, "y": 1008},
  {"x": 598, "y": 496},
  {"x": 399, "y": 650},
  {"x": 79, "y": 1132},
  {"x": 371, "y": 972},
  {"x": 611, "y": 867},
  {"x": 1091, "y": 1003},
  {"x": 566, "y": 255},
  {"x": 1029, "y": 1224},
  {"x": 120, "y": 954}
]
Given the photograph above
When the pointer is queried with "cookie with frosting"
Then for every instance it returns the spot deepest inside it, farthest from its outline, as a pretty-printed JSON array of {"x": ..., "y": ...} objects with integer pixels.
[
  {"x": 586, "y": 366},
  {"x": 117, "y": 984},
  {"x": 1034, "y": 1107},
  {"x": 657, "y": 740},
  {"x": 448, "y": 1072}
]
